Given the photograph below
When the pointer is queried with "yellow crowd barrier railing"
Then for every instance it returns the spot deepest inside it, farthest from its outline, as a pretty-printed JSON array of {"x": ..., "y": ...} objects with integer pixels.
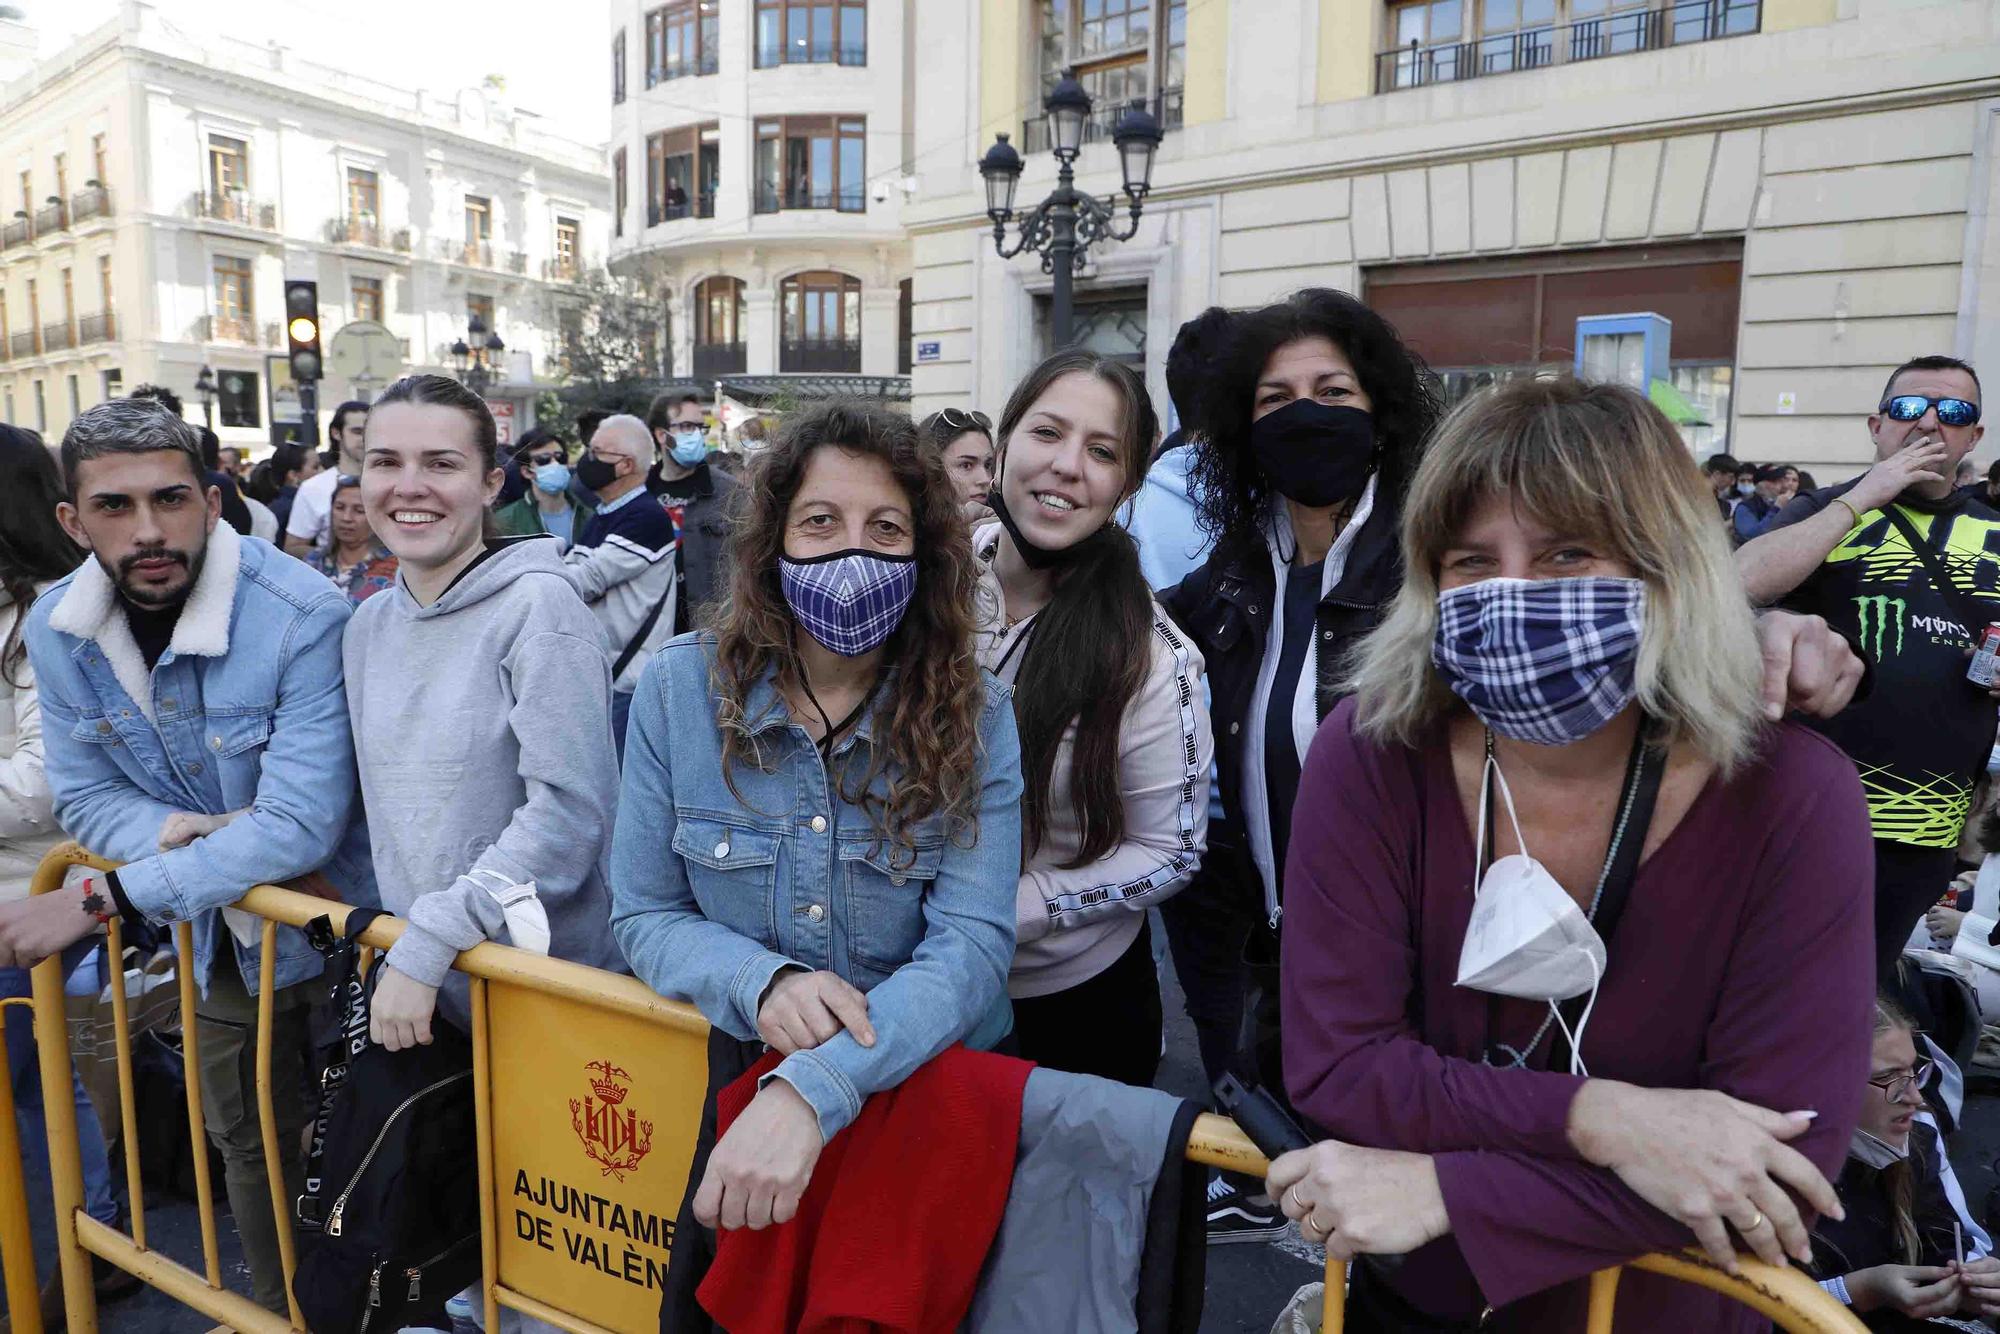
[{"x": 588, "y": 1090}]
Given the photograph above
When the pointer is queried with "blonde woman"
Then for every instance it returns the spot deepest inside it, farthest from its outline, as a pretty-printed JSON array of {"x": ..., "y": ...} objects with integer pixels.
[{"x": 1572, "y": 931}]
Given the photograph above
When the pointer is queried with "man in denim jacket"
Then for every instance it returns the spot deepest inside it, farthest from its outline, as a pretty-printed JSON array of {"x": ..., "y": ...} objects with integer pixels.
[{"x": 196, "y": 729}]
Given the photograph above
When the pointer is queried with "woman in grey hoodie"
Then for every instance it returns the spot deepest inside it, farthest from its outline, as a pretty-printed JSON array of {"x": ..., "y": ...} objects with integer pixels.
[{"x": 480, "y": 698}]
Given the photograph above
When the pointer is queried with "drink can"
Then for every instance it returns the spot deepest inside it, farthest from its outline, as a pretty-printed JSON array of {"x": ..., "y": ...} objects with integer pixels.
[{"x": 1985, "y": 668}]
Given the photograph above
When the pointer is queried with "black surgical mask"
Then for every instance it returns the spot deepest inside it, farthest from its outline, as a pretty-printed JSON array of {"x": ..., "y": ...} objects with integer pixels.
[
  {"x": 1033, "y": 556},
  {"x": 1315, "y": 454},
  {"x": 596, "y": 473}
]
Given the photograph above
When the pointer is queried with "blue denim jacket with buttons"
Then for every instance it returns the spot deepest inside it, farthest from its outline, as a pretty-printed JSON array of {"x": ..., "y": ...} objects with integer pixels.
[
  {"x": 713, "y": 892},
  {"x": 244, "y": 711}
]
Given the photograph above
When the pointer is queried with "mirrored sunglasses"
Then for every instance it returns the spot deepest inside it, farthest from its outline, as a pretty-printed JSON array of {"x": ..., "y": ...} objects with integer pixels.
[{"x": 1950, "y": 411}]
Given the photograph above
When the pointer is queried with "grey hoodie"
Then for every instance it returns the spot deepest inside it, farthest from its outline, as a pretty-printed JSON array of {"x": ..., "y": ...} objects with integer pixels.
[{"x": 482, "y": 727}]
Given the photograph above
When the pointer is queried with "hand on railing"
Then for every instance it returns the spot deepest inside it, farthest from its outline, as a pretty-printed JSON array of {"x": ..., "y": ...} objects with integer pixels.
[
  {"x": 1358, "y": 1201},
  {"x": 1709, "y": 1160}
]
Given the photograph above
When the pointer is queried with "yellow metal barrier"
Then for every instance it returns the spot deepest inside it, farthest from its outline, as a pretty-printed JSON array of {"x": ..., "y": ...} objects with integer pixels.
[{"x": 558, "y": 1104}]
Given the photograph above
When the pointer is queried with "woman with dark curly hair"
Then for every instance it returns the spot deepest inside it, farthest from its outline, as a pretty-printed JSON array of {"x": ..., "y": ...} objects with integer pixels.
[{"x": 819, "y": 833}]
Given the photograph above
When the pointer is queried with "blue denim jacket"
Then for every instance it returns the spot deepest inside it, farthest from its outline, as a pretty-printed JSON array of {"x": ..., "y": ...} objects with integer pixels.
[
  {"x": 245, "y": 709},
  {"x": 711, "y": 894}
]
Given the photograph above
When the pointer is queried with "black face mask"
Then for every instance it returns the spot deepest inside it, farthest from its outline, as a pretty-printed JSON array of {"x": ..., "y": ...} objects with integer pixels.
[
  {"x": 1033, "y": 556},
  {"x": 596, "y": 473},
  {"x": 1315, "y": 454}
]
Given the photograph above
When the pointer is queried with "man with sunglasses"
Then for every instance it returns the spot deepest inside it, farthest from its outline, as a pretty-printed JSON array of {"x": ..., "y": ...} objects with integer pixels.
[
  {"x": 549, "y": 505},
  {"x": 1904, "y": 565}
]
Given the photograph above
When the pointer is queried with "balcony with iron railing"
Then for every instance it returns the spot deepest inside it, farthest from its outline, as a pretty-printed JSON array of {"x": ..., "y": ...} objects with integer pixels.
[
  {"x": 227, "y": 329},
  {"x": 100, "y": 328},
  {"x": 682, "y": 69},
  {"x": 234, "y": 206},
  {"x": 24, "y": 344},
  {"x": 58, "y": 337},
  {"x": 805, "y": 196},
  {"x": 820, "y": 355},
  {"x": 474, "y": 254},
  {"x": 713, "y": 359},
  {"x": 699, "y": 206},
  {"x": 51, "y": 218},
  {"x": 358, "y": 229},
  {"x": 561, "y": 270},
  {"x": 1166, "y": 105},
  {"x": 811, "y": 52},
  {"x": 1675, "y": 24},
  {"x": 93, "y": 201},
  {"x": 17, "y": 231},
  {"x": 515, "y": 261}
]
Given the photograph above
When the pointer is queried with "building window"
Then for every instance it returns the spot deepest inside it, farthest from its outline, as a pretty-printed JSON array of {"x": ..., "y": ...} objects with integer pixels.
[
  {"x": 812, "y": 162},
  {"x": 10, "y": 404},
  {"x": 718, "y": 327},
  {"x": 100, "y": 165},
  {"x": 618, "y": 192},
  {"x": 682, "y": 169},
  {"x": 364, "y": 194},
  {"x": 566, "y": 248},
  {"x": 34, "y": 317},
  {"x": 1123, "y": 51},
  {"x": 75, "y": 396},
  {"x": 62, "y": 180},
  {"x": 114, "y": 387},
  {"x": 69, "y": 305},
  {"x": 683, "y": 39},
  {"x": 905, "y": 311},
  {"x": 479, "y": 311},
  {"x": 365, "y": 299},
  {"x": 1110, "y": 322},
  {"x": 618, "y": 68},
  {"x": 822, "y": 323},
  {"x": 1443, "y": 41},
  {"x": 234, "y": 311},
  {"x": 478, "y": 231},
  {"x": 228, "y": 166},
  {"x": 104, "y": 282},
  {"x": 236, "y": 399},
  {"x": 41, "y": 409},
  {"x": 812, "y": 32}
]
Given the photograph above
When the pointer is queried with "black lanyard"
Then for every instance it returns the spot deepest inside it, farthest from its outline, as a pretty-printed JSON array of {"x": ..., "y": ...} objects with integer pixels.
[{"x": 1643, "y": 771}]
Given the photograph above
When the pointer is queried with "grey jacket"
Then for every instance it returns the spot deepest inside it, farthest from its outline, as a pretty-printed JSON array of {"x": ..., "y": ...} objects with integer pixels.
[
  {"x": 704, "y": 533},
  {"x": 1067, "y": 1255},
  {"x": 482, "y": 727}
]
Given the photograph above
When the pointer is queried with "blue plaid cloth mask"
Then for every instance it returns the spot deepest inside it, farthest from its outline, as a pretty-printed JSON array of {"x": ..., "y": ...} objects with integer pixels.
[
  {"x": 1543, "y": 660},
  {"x": 850, "y": 601}
]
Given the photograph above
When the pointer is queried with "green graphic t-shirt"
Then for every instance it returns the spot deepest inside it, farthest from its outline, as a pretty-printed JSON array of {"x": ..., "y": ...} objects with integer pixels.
[{"x": 1922, "y": 734}]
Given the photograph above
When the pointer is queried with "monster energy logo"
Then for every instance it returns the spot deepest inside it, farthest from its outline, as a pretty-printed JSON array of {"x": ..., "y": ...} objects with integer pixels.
[{"x": 1881, "y": 606}]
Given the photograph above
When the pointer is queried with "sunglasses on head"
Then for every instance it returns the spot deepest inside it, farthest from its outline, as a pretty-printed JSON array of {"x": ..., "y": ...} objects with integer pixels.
[
  {"x": 1950, "y": 411},
  {"x": 965, "y": 421}
]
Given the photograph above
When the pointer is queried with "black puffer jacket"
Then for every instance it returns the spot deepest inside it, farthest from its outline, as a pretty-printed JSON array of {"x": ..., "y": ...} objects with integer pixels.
[{"x": 1225, "y": 606}]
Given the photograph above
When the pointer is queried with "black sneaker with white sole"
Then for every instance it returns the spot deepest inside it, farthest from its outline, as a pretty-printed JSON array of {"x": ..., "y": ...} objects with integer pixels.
[{"x": 1236, "y": 1215}]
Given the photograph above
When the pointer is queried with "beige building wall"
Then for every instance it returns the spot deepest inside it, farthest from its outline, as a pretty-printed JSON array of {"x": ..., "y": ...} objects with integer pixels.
[{"x": 1847, "y": 145}]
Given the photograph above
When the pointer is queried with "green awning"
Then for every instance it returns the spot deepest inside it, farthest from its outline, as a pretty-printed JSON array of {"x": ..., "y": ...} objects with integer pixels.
[{"x": 1675, "y": 404}]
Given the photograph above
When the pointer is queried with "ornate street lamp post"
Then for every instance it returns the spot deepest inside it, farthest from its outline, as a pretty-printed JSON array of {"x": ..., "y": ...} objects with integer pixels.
[
  {"x": 477, "y": 361},
  {"x": 204, "y": 389},
  {"x": 1062, "y": 228}
]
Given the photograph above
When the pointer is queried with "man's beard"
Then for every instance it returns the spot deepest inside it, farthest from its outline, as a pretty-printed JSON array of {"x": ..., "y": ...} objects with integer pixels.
[{"x": 150, "y": 599}]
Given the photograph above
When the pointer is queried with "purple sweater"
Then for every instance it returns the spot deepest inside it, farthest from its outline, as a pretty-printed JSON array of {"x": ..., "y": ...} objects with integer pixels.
[{"x": 1744, "y": 963}]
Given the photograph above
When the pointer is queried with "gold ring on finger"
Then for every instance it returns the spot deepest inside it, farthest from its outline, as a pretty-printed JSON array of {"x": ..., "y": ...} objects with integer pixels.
[{"x": 1753, "y": 1224}]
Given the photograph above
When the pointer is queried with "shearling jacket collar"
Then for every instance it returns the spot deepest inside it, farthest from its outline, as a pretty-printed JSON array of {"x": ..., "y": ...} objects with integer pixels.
[{"x": 91, "y": 610}]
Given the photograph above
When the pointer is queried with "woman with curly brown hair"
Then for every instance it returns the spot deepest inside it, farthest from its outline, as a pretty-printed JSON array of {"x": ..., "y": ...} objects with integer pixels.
[{"x": 819, "y": 833}]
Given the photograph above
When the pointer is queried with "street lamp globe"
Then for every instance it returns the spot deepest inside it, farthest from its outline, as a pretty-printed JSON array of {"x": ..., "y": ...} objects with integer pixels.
[
  {"x": 493, "y": 343},
  {"x": 461, "y": 355},
  {"x": 1002, "y": 169},
  {"x": 204, "y": 384},
  {"x": 1068, "y": 107},
  {"x": 1138, "y": 138}
]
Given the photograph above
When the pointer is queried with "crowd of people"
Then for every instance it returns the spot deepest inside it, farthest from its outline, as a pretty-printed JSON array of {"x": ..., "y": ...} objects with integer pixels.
[{"x": 1539, "y": 816}]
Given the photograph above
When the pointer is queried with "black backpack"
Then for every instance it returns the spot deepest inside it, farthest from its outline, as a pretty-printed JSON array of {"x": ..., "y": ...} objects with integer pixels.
[{"x": 389, "y": 1222}]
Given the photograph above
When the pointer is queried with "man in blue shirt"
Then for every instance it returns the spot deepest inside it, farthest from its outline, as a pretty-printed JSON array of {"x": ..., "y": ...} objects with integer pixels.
[{"x": 195, "y": 729}]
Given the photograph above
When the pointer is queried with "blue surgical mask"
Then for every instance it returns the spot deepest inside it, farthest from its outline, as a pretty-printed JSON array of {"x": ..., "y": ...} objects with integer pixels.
[
  {"x": 690, "y": 446},
  {"x": 552, "y": 478}
]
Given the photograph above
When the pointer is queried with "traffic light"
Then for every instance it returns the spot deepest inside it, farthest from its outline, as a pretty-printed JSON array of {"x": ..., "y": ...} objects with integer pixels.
[{"x": 302, "y": 329}]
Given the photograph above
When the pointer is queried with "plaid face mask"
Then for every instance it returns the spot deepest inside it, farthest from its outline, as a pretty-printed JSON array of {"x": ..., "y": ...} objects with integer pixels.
[
  {"x": 850, "y": 601},
  {"x": 1543, "y": 660}
]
